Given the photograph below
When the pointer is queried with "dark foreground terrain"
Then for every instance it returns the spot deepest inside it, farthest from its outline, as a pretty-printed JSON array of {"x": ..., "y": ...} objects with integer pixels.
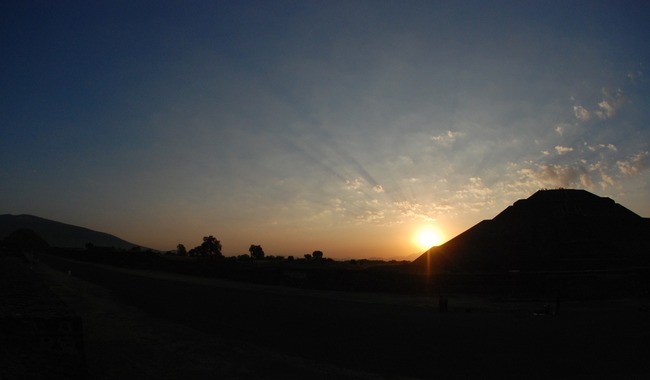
[{"x": 141, "y": 324}]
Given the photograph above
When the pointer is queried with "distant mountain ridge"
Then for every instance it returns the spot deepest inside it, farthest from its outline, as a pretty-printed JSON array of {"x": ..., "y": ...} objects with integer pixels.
[
  {"x": 562, "y": 229},
  {"x": 58, "y": 234}
]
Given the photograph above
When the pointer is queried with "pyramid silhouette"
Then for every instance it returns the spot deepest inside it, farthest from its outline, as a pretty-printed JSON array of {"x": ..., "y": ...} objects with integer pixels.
[{"x": 561, "y": 229}]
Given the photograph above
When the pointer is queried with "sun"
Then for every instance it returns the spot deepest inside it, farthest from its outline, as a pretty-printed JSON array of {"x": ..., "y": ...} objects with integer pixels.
[{"x": 427, "y": 237}]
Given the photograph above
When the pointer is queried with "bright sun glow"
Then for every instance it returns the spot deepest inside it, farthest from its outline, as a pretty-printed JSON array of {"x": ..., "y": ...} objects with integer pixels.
[{"x": 427, "y": 237}]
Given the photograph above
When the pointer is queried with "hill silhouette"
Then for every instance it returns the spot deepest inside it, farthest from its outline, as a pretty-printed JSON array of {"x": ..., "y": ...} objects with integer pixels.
[
  {"x": 58, "y": 234},
  {"x": 562, "y": 229}
]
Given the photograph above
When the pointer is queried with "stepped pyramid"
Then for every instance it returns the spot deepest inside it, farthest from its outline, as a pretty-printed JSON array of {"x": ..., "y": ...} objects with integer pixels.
[{"x": 563, "y": 229}]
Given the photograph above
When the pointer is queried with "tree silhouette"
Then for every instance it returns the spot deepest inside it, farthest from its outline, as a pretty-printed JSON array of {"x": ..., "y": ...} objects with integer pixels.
[
  {"x": 180, "y": 250},
  {"x": 256, "y": 251},
  {"x": 317, "y": 255},
  {"x": 211, "y": 247}
]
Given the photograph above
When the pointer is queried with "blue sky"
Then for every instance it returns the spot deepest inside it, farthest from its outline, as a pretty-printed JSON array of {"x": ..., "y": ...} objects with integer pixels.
[{"x": 339, "y": 126}]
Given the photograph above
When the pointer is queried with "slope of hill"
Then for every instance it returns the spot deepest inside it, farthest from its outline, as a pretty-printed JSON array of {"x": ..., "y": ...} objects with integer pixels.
[
  {"x": 562, "y": 229},
  {"x": 59, "y": 234}
]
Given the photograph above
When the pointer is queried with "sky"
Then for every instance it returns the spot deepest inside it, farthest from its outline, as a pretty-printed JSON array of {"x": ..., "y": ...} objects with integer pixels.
[{"x": 340, "y": 126}]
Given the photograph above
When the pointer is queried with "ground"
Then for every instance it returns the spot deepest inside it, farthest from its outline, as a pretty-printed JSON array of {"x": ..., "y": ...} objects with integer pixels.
[
  {"x": 123, "y": 342},
  {"x": 157, "y": 325}
]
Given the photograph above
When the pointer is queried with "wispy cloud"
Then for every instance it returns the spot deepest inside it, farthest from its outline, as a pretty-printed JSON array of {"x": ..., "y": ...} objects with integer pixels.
[
  {"x": 605, "y": 109},
  {"x": 474, "y": 195},
  {"x": 563, "y": 149},
  {"x": 610, "y": 104},
  {"x": 561, "y": 128},
  {"x": 635, "y": 164},
  {"x": 415, "y": 210},
  {"x": 447, "y": 138},
  {"x": 354, "y": 184},
  {"x": 556, "y": 175},
  {"x": 587, "y": 166},
  {"x": 581, "y": 113},
  {"x": 609, "y": 147}
]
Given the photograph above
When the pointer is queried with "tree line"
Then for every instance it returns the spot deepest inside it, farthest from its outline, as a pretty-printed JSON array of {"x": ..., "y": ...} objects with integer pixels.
[{"x": 211, "y": 247}]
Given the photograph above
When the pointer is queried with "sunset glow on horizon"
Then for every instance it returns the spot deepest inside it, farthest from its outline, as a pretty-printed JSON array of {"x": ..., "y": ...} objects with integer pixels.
[{"x": 343, "y": 127}]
